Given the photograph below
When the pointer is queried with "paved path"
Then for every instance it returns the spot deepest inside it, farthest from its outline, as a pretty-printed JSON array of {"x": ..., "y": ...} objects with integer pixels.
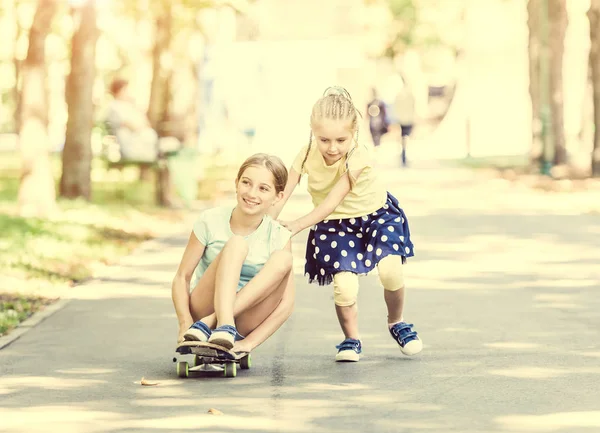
[{"x": 504, "y": 292}]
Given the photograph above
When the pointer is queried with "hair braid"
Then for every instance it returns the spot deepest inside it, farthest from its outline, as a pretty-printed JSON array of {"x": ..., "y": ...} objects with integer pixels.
[{"x": 305, "y": 156}]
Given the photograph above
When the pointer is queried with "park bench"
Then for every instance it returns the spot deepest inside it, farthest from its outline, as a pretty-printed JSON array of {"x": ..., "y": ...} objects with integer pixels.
[{"x": 111, "y": 156}]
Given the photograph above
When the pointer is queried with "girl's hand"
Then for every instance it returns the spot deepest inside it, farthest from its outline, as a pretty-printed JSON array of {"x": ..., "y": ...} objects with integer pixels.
[
  {"x": 241, "y": 346},
  {"x": 292, "y": 226}
]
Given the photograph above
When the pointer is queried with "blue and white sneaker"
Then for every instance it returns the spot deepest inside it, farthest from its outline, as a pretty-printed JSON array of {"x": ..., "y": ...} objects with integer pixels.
[
  {"x": 199, "y": 331},
  {"x": 224, "y": 336},
  {"x": 348, "y": 350},
  {"x": 408, "y": 340}
]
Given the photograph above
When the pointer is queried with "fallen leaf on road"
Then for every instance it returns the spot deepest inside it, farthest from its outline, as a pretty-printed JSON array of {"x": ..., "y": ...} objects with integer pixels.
[
  {"x": 215, "y": 411},
  {"x": 145, "y": 382}
]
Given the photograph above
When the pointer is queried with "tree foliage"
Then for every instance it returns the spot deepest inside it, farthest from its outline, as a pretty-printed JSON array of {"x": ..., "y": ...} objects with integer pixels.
[
  {"x": 404, "y": 16},
  {"x": 413, "y": 26}
]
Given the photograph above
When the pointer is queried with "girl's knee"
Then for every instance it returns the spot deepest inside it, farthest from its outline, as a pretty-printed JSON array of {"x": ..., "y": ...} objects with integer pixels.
[
  {"x": 345, "y": 289},
  {"x": 391, "y": 273},
  {"x": 236, "y": 244},
  {"x": 282, "y": 260}
]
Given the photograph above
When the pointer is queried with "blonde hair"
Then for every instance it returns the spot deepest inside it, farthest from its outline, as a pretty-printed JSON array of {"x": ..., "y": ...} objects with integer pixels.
[
  {"x": 335, "y": 104},
  {"x": 271, "y": 163}
]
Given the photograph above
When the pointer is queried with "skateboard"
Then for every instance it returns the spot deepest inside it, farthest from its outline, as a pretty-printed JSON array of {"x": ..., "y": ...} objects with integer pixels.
[{"x": 210, "y": 359}]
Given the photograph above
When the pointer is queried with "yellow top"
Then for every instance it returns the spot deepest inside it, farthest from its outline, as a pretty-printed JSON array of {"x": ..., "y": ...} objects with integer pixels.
[{"x": 367, "y": 194}]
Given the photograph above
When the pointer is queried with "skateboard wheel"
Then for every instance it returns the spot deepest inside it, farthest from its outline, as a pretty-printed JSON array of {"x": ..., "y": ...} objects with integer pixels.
[
  {"x": 230, "y": 370},
  {"x": 183, "y": 369},
  {"x": 246, "y": 362},
  {"x": 196, "y": 361}
]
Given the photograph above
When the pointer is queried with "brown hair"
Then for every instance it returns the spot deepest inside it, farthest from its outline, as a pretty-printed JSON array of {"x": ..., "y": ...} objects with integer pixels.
[
  {"x": 116, "y": 85},
  {"x": 336, "y": 104},
  {"x": 271, "y": 163}
]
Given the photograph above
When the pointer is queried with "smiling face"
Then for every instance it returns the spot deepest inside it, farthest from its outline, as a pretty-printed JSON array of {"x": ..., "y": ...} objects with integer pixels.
[
  {"x": 334, "y": 138},
  {"x": 256, "y": 191}
]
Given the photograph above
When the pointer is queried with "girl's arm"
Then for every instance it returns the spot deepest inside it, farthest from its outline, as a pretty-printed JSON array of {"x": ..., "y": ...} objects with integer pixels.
[
  {"x": 321, "y": 212},
  {"x": 180, "y": 289},
  {"x": 273, "y": 322},
  {"x": 293, "y": 179}
]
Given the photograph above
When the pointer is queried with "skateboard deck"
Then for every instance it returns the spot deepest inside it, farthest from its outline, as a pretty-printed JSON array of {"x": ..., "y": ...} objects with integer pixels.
[{"x": 210, "y": 358}]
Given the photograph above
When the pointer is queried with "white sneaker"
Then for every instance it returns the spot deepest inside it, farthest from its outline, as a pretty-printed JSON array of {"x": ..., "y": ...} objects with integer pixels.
[
  {"x": 223, "y": 336},
  {"x": 199, "y": 331},
  {"x": 348, "y": 350},
  {"x": 408, "y": 339}
]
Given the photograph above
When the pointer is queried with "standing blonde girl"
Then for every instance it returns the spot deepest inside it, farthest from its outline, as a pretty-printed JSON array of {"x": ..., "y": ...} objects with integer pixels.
[{"x": 356, "y": 225}]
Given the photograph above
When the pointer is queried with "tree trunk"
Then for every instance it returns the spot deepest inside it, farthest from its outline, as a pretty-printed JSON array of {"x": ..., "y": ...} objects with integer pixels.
[
  {"x": 37, "y": 194},
  {"x": 191, "y": 117},
  {"x": 77, "y": 154},
  {"x": 533, "y": 20},
  {"x": 12, "y": 11},
  {"x": 557, "y": 15},
  {"x": 594, "y": 17},
  {"x": 160, "y": 93}
]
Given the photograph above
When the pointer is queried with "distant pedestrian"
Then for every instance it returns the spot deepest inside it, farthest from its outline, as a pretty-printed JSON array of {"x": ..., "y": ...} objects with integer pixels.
[
  {"x": 404, "y": 108},
  {"x": 378, "y": 120},
  {"x": 131, "y": 127}
]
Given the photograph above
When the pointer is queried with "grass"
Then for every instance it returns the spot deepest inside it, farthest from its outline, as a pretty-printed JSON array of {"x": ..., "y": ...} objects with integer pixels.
[
  {"x": 41, "y": 254},
  {"x": 564, "y": 179},
  {"x": 65, "y": 250},
  {"x": 40, "y": 258},
  {"x": 498, "y": 162},
  {"x": 15, "y": 308}
]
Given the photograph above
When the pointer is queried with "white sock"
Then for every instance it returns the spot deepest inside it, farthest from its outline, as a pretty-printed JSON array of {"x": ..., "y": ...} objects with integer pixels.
[{"x": 392, "y": 324}]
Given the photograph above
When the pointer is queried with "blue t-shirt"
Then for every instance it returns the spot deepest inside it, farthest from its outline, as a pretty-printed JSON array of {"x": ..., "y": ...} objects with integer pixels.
[{"x": 213, "y": 230}]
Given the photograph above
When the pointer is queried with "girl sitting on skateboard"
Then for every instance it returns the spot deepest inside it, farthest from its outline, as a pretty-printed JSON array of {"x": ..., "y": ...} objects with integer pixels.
[
  {"x": 356, "y": 225},
  {"x": 238, "y": 265}
]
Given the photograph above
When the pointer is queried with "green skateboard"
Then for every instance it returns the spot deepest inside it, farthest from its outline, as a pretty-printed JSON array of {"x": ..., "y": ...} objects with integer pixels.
[{"x": 210, "y": 359}]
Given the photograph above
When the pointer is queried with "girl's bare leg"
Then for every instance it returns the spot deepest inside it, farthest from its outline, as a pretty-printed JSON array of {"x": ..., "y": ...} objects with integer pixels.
[
  {"x": 395, "y": 304},
  {"x": 213, "y": 289},
  {"x": 392, "y": 279},
  {"x": 265, "y": 282},
  {"x": 227, "y": 277},
  {"x": 348, "y": 318},
  {"x": 203, "y": 295},
  {"x": 254, "y": 304},
  {"x": 258, "y": 289},
  {"x": 345, "y": 295},
  {"x": 249, "y": 320}
]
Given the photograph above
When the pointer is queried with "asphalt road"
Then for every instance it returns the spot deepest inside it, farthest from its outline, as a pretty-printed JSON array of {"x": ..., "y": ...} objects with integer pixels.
[{"x": 503, "y": 291}]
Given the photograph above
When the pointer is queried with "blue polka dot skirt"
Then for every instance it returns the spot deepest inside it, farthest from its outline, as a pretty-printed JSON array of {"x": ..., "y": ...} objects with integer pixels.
[{"x": 357, "y": 244}]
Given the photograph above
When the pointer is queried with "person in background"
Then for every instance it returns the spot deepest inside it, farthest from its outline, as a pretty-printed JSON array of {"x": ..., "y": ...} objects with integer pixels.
[
  {"x": 378, "y": 121},
  {"x": 404, "y": 108},
  {"x": 130, "y": 126}
]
